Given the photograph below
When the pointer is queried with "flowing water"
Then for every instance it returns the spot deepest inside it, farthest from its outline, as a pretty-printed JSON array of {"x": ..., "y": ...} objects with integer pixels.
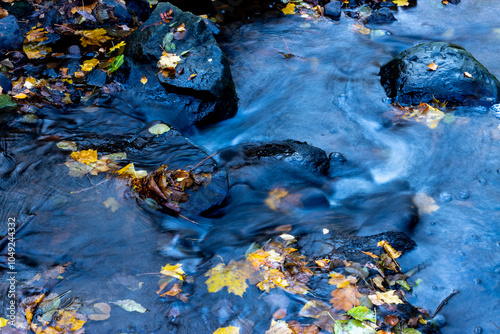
[{"x": 329, "y": 95}]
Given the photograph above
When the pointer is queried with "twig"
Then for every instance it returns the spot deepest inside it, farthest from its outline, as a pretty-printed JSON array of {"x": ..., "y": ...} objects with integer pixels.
[
  {"x": 494, "y": 324},
  {"x": 444, "y": 302},
  {"x": 286, "y": 45},
  {"x": 202, "y": 161},
  {"x": 189, "y": 220},
  {"x": 82, "y": 190}
]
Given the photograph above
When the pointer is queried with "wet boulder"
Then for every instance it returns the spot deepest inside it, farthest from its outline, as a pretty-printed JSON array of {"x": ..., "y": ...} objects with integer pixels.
[
  {"x": 203, "y": 72},
  {"x": 459, "y": 78},
  {"x": 11, "y": 37},
  {"x": 289, "y": 151},
  {"x": 333, "y": 9},
  {"x": 381, "y": 15}
]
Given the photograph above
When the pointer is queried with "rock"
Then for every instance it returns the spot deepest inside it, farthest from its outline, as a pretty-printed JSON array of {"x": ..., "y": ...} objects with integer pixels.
[
  {"x": 208, "y": 197},
  {"x": 11, "y": 37},
  {"x": 120, "y": 11},
  {"x": 289, "y": 151},
  {"x": 6, "y": 103},
  {"x": 333, "y": 9},
  {"x": 97, "y": 77},
  {"x": 5, "y": 83},
  {"x": 213, "y": 83},
  {"x": 139, "y": 8},
  {"x": 458, "y": 80},
  {"x": 382, "y": 15}
]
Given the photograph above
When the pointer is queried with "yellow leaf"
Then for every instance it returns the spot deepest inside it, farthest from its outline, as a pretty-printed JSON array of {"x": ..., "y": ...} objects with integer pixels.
[
  {"x": 117, "y": 46},
  {"x": 144, "y": 80},
  {"x": 168, "y": 61},
  {"x": 467, "y": 74},
  {"x": 88, "y": 65},
  {"x": 340, "y": 280},
  {"x": 289, "y": 9},
  {"x": 261, "y": 258},
  {"x": 425, "y": 203},
  {"x": 30, "y": 82},
  {"x": 272, "y": 278},
  {"x": 69, "y": 321},
  {"x": 173, "y": 271},
  {"x": 394, "y": 254},
  {"x": 385, "y": 297},
  {"x": 35, "y": 51},
  {"x": 427, "y": 114},
  {"x": 85, "y": 157},
  {"x": 345, "y": 298},
  {"x": 20, "y": 96},
  {"x": 93, "y": 37},
  {"x": 79, "y": 74},
  {"x": 129, "y": 170},
  {"x": 67, "y": 98},
  {"x": 432, "y": 66},
  {"x": 3, "y": 322},
  {"x": 233, "y": 276},
  {"x": 228, "y": 330},
  {"x": 323, "y": 263},
  {"x": 279, "y": 327},
  {"x": 401, "y": 2},
  {"x": 159, "y": 129},
  {"x": 274, "y": 198},
  {"x": 36, "y": 35},
  {"x": 370, "y": 254}
]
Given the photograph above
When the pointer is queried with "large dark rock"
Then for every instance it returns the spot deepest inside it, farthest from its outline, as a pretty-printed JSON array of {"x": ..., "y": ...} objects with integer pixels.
[
  {"x": 213, "y": 83},
  {"x": 5, "y": 83},
  {"x": 289, "y": 151},
  {"x": 459, "y": 79},
  {"x": 11, "y": 37},
  {"x": 333, "y": 9}
]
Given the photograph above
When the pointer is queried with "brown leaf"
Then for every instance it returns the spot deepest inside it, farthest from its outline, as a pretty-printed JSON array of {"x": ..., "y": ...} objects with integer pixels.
[
  {"x": 279, "y": 314},
  {"x": 432, "y": 66},
  {"x": 345, "y": 298},
  {"x": 391, "y": 320}
]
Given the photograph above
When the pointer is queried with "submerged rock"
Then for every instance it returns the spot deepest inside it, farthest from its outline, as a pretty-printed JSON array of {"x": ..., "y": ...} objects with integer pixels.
[
  {"x": 333, "y": 9},
  {"x": 203, "y": 72},
  {"x": 289, "y": 151},
  {"x": 459, "y": 78},
  {"x": 382, "y": 15},
  {"x": 11, "y": 37}
]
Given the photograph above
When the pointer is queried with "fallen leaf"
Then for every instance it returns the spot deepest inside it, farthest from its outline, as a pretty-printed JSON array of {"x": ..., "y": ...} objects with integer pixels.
[
  {"x": 144, "y": 80},
  {"x": 103, "y": 312},
  {"x": 36, "y": 35},
  {"x": 30, "y": 83},
  {"x": 227, "y": 330},
  {"x": 173, "y": 271},
  {"x": 79, "y": 74},
  {"x": 233, "y": 276},
  {"x": 345, "y": 298},
  {"x": 117, "y": 46},
  {"x": 362, "y": 313},
  {"x": 3, "y": 322},
  {"x": 385, "y": 297},
  {"x": 401, "y": 2},
  {"x": 20, "y": 96},
  {"x": 192, "y": 76},
  {"x": 289, "y": 9},
  {"x": 391, "y": 320},
  {"x": 425, "y": 203},
  {"x": 340, "y": 280},
  {"x": 159, "y": 129},
  {"x": 432, "y": 66},
  {"x": 323, "y": 263},
  {"x": 272, "y": 278},
  {"x": 130, "y": 306},
  {"x": 112, "y": 204},
  {"x": 168, "y": 61},
  {"x": 468, "y": 75},
  {"x": 274, "y": 198},
  {"x": 88, "y": 65},
  {"x": 93, "y": 37},
  {"x": 174, "y": 291},
  {"x": 370, "y": 254},
  {"x": 279, "y": 327},
  {"x": 279, "y": 314},
  {"x": 394, "y": 254},
  {"x": 85, "y": 156},
  {"x": 129, "y": 170}
]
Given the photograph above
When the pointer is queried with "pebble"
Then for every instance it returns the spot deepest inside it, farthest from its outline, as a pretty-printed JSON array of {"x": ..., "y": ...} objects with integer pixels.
[
  {"x": 445, "y": 197},
  {"x": 464, "y": 195},
  {"x": 495, "y": 109}
]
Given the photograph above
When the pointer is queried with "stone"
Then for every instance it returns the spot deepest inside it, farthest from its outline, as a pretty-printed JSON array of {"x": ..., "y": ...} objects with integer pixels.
[
  {"x": 213, "y": 83},
  {"x": 458, "y": 80},
  {"x": 333, "y": 9},
  {"x": 5, "y": 83},
  {"x": 381, "y": 15},
  {"x": 11, "y": 37}
]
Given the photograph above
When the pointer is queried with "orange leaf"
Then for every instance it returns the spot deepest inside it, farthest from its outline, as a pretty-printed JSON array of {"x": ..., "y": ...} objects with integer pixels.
[
  {"x": 345, "y": 298},
  {"x": 432, "y": 66}
]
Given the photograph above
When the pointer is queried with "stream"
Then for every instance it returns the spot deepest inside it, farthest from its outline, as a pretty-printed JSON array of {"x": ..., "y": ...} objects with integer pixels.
[{"x": 328, "y": 95}]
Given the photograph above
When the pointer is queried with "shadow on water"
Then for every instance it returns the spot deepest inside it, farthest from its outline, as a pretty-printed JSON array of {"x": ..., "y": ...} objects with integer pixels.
[{"x": 329, "y": 96}]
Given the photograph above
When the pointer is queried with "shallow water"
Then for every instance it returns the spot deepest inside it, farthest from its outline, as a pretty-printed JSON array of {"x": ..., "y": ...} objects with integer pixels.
[{"x": 329, "y": 96}]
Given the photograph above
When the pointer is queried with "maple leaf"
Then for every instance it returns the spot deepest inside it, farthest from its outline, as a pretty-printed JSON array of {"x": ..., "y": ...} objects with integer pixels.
[
  {"x": 262, "y": 258},
  {"x": 88, "y": 65},
  {"x": 173, "y": 271},
  {"x": 385, "y": 297},
  {"x": 168, "y": 61},
  {"x": 233, "y": 276},
  {"x": 345, "y": 298},
  {"x": 85, "y": 157},
  {"x": 93, "y": 37},
  {"x": 289, "y": 9},
  {"x": 144, "y": 80},
  {"x": 227, "y": 330},
  {"x": 68, "y": 322}
]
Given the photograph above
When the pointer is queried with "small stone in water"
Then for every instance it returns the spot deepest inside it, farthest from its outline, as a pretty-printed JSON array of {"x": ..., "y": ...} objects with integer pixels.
[
  {"x": 464, "y": 195},
  {"x": 495, "y": 109},
  {"x": 445, "y": 197},
  {"x": 482, "y": 180},
  {"x": 478, "y": 330},
  {"x": 477, "y": 281}
]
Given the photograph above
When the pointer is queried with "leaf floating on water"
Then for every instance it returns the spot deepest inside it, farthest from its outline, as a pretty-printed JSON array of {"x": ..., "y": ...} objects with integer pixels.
[
  {"x": 340, "y": 280},
  {"x": 228, "y": 330},
  {"x": 425, "y": 203},
  {"x": 385, "y": 297},
  {"x": 432, "y": 66},
  {"x": 274, "y": 198},
  {"x": 159, "y": 129},
  {"x": 279, "y": 327},
  {"x": 173, "y": 271},
  {"x": 103, "y": 312},
  {"x": 233, "y": 276},
  {"x": 130, "y": 306},
  {"x": 144, "y": 80},
  {"x": 112, "y": 204},
  {"x": 85, "y": 156},
  {"x": 345, "y": 298},
  {"x": 362, "y": 313},
  {"x": 289, "y": 9}
]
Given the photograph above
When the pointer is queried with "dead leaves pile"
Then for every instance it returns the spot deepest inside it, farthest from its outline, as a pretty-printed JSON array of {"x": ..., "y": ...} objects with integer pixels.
[
  {"x": 360, "y": 291},
  {"x": 427, "y": 114}
]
